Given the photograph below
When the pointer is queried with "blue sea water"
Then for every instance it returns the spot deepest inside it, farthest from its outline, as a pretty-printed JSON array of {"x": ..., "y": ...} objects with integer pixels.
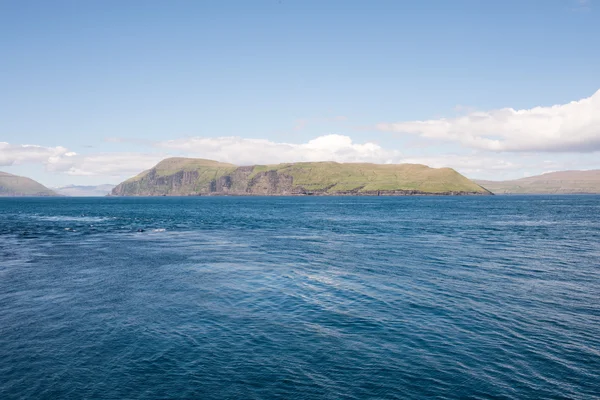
[{"x": 300, "y": 298}]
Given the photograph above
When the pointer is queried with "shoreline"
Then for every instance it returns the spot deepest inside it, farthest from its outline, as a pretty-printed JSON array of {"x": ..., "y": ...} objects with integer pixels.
[{"x": 312, "y": 194}]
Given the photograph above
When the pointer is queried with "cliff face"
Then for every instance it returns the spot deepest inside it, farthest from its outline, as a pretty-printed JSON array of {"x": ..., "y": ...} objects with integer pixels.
[
  {"x": 186, "y": 183},
  {"x": 194, "y": 177}
]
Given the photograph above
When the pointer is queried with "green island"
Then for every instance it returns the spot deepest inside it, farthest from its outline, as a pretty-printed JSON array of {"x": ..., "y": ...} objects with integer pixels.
[{"x": 196, "y": 177}]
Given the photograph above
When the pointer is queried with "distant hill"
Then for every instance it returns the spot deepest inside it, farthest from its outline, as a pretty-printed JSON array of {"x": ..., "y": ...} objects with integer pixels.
[
  {"x": 84, "y": 191},
  {"x": 14, "y": 185},
  {"x": 189, "y": 176},
  {"x": 563, "y": 182}
]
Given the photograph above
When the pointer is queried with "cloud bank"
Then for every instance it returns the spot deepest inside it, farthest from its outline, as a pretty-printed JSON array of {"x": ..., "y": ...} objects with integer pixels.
[
  {"x": 27, "y": 153},
  {"x": 244, "y": 151},
  {"x": 572, "y": 127},
  {"x": 235, "y": 150},
  {"x": 60, "y": 159},
  {"x": 104, "y": 164}
]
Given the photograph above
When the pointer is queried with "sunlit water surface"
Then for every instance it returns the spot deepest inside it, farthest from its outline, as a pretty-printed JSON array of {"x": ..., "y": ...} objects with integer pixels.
[{"x": 300, "y": 298}]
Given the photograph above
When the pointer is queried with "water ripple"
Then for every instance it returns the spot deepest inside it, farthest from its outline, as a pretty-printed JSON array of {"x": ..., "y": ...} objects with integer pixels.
[{"x": 303, "y": 298}]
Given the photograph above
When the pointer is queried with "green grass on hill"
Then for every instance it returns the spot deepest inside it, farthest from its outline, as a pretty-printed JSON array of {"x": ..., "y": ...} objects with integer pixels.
[
  {"x": 176, "y": 164},
  {"x": 173, "y": 165},
  {"x": 328, "y": 177},
  {"x": 364, "y": 177}
]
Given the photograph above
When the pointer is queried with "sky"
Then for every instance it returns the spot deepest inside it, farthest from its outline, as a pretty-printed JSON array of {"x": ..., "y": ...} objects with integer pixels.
[{"x": 94, "y": 92}]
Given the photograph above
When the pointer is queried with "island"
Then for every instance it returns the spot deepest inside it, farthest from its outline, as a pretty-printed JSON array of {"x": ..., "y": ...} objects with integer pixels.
[{"x": 197, "y": 177}]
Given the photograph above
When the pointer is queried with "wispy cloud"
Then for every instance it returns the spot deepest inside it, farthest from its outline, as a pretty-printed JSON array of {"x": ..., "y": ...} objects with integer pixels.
[
  {"x": 470, "y": 163},
  {"x": 568, "y": 127},
  {"x": 109, "y": 165},
  {"x": 583, "y": 5}
]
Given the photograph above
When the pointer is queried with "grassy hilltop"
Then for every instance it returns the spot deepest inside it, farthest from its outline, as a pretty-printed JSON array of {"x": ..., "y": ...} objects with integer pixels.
[
  {"x": 188, "y": 176},
  {"x": 14, "y": 185}
]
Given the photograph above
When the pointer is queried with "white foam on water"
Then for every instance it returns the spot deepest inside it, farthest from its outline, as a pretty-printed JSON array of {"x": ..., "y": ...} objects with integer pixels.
[{"x": 66, "y": 218}]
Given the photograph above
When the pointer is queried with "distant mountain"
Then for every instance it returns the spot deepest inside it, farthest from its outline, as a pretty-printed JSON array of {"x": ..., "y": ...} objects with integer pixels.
[
  {"x": 14, "y": 186},
  {"x": 84, "y": 191},
  {"x": 563, "y": 182},
  {"x": 189, "y": 176}
]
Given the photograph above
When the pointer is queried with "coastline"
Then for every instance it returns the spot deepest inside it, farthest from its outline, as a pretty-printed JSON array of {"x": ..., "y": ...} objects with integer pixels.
[{"x": 396, "y": 193}]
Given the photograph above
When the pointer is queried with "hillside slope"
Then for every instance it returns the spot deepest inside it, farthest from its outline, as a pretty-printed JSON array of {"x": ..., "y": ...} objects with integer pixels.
[
  {"x": 188, "y": 176},
  {"x": 563, "y": 182},
  {"x": 14, "y": 185}
]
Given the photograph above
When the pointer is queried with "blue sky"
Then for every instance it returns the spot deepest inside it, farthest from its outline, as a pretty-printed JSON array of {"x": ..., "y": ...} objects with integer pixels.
[{"x": 95, "y": 91}]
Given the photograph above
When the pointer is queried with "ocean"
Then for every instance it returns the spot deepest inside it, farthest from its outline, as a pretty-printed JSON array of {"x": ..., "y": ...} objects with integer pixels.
[{"x": 300, "y": 298}]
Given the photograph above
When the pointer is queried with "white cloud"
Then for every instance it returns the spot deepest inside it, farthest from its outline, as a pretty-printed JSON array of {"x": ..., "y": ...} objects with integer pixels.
[
  {"x": 244, "y": 151},
  {"x": 506, "y": 166},
  {"x": 569, "y": 127},
  {"x": 107, "y": 164},
  {"x": 60, "y": 159},
  {"x": 27, "y": 153},
  {"x": 471, "y": 164}
]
